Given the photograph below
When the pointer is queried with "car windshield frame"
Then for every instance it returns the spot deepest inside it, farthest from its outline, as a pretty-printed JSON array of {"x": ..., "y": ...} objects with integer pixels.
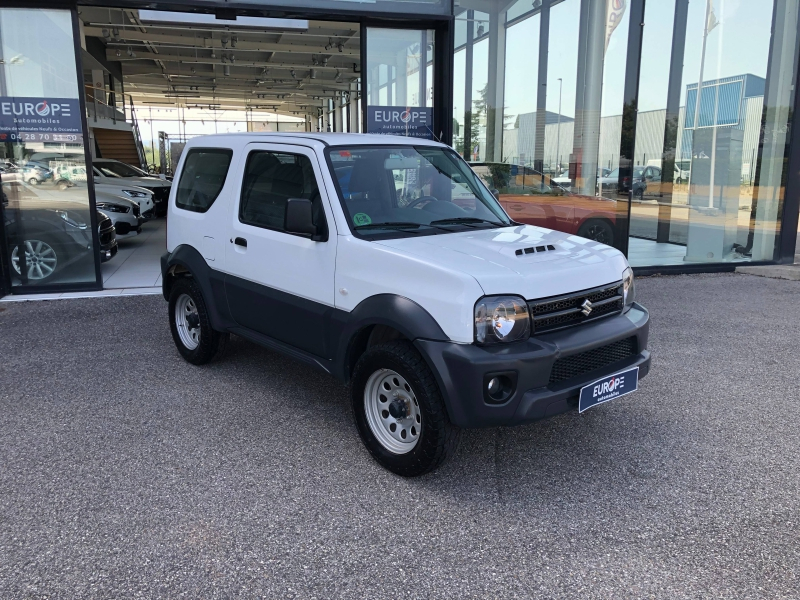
[
  {"x": 374, "y": 233},
  {"x": 107, "y": 164}
]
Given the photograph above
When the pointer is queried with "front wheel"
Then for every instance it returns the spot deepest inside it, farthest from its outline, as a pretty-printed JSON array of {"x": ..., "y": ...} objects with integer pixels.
[
  {"x": 598, "y": 230},
  {"x": 40, "y": 259},
  {"x": 33, "y": 181},
  {"x": 190, "y": 324},
  {"x": 399, "y": 410}
]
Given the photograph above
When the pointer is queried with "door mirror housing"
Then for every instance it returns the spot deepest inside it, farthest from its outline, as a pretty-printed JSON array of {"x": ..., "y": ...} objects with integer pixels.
[
  {"x": 495, "y": 193},
  {"x": 299, "y": 218}
]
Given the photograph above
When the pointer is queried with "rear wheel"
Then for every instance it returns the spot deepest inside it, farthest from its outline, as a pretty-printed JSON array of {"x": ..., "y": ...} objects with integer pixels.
[
  {"x": 33, "y": 181},
  {"x": 399, "y": 410},
  {"x": 598, "y": 230},
  {"x": 190, "y": 324}
]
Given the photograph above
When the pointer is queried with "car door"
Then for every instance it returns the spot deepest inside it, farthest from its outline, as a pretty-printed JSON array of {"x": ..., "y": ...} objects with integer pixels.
[{"x": 281, "y": 284}]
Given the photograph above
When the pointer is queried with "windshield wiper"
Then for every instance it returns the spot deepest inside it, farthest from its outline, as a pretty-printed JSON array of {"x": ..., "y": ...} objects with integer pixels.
[
  {"x": 390, "y": 225},
  {"x": 466, "y": 220}
]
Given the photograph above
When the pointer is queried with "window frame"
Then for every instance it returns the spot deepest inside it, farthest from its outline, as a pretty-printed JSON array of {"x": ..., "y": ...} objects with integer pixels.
[
  {"x": 216, "y": 150},
  {"x": 324, "y": 235}
]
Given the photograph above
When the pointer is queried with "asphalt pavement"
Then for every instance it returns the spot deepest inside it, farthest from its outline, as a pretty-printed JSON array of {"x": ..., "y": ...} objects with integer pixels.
[{"x": 126, "y": 472}]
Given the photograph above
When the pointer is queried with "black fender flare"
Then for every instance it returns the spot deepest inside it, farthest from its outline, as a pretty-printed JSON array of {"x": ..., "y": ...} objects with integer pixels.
[
  {"x": 211, "y": 282},
  {"x": 392, "y": 310}
]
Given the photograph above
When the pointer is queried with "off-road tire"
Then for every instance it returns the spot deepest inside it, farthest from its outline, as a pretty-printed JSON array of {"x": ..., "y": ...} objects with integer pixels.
[
  {"x": 438, "y": 438},
  {"x": 212, "y": 343}
]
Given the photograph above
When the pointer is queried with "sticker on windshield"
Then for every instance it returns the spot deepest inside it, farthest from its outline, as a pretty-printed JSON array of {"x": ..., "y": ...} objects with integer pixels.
[{"x": 361, "y": 219}]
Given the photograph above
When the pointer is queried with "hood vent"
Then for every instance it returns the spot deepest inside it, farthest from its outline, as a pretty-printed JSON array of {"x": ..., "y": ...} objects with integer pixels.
[{"x": 533, "y": 249}]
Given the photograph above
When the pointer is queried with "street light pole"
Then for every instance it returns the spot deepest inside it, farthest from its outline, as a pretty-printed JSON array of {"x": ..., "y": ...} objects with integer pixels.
[{"x": 558, "y": 129}]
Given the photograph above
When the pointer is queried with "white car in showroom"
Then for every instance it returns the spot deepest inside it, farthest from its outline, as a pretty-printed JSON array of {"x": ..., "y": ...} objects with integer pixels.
[
  {"x": 111, "y": 171},
  {"x": 123, "y": 212},
  {"x": 141, "y": 196}
]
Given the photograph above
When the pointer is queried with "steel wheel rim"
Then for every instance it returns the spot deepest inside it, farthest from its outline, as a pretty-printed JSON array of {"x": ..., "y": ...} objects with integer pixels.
[
  {"x": 187, "y": 321},
  {"x": 392, "y": 410},
  {"x": 40, "y": 259}
]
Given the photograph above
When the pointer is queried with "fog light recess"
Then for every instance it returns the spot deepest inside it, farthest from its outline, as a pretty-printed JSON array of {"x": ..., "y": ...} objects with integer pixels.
[{"x": 499, "y": 387}]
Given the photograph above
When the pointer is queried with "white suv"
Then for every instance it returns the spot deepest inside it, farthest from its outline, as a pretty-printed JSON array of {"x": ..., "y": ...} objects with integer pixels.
[{"x": 385, "y": 262}]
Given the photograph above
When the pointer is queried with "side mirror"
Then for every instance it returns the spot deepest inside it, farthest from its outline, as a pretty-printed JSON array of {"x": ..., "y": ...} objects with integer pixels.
[
  {"x": 495, "y": 193},
  {"x": 299, "y": 217}
]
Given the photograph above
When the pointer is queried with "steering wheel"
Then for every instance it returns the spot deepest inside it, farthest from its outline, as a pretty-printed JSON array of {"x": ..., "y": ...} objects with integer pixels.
[{"x": 413, "y": 203}]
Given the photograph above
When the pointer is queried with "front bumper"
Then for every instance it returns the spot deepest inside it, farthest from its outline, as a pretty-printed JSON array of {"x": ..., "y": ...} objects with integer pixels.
[{"x": 462, "y": 370}]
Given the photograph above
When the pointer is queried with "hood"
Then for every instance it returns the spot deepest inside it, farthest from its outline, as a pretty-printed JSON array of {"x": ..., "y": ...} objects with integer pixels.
[
  {"x": 147, "y": 182},
  {"x": 490, "y": 256},
  {"x": 116, "y": 188},
  {"x": 115, "y": 199}
]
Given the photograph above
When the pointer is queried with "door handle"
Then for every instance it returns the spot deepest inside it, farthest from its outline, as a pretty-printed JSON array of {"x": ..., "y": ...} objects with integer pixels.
[{"x": 240, "y": 241}]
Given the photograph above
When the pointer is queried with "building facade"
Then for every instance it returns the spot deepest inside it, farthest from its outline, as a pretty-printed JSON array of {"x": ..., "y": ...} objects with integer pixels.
[{"x": 663, "y": 128}]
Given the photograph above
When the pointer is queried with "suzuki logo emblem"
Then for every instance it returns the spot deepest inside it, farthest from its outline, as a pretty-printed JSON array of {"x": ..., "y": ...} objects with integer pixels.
[{"x": 586, "y": 307}]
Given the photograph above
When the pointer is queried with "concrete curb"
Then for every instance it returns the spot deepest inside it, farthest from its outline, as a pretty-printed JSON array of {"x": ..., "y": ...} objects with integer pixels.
[{"x": 791, "y": 272}]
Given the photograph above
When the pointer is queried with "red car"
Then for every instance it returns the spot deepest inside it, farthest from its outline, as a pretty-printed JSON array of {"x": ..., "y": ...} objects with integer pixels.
[{"x": 532, "y": 198}]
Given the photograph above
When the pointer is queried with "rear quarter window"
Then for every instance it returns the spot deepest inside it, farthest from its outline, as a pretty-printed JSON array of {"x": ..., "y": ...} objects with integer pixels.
[{"x": 203, "y": 176}]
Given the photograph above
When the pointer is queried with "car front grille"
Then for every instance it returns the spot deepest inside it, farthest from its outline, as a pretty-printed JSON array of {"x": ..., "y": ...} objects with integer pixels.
[
  {"x": 558, "y": 312},
  {"x": 591, "y": 360},
  {"x": 106, "y": 231}
]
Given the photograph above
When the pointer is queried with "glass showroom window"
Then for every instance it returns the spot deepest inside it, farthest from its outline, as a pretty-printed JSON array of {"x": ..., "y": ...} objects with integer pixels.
[
  {"x": 46, "y": 214},
  {"x": 712, "y": 179},
  {"x": 542, "y": 86}
]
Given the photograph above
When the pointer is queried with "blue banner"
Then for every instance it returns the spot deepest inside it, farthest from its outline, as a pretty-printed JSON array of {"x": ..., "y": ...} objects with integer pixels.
[
  {"x": 40, "y": 120},
  {"x": 401, "y": 120}
]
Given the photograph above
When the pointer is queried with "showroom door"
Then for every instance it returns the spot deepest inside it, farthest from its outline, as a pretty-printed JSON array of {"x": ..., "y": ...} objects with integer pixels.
[{"x": 399, "y": 75}]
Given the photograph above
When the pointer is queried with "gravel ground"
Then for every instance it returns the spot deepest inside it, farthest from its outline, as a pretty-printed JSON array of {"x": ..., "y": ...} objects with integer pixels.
[{"x": 126, "y": 472}]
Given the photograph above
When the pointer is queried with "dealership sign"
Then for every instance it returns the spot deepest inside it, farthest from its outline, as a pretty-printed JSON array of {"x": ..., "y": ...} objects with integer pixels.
[
  {"x": 401, "y": 120},
  {"x": 40, "y": 119}
]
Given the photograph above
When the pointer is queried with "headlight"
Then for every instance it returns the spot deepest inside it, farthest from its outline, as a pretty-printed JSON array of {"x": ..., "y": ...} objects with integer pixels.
[
  {"x": 135, "y": 194},
  {"x": 113, "y": 207},
  {"x": 69, "y": 220},
  {"x": 628, "y": 292},
  {"x": 501, "y": 319}
]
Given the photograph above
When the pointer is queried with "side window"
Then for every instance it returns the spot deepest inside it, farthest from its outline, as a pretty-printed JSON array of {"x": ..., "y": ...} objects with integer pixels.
[
  {"x": 202, "y": 178},
  {"x": 270, "y": 179}
]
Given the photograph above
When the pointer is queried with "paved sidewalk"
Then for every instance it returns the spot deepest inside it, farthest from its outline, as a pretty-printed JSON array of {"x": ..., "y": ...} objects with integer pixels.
[{"x": 127, "y": 472}]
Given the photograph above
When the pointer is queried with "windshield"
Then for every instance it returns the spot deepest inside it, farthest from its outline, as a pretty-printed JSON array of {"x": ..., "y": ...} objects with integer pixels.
[
  {"x": 410, "y": 190},
  {"x": 115, "y": 169}
]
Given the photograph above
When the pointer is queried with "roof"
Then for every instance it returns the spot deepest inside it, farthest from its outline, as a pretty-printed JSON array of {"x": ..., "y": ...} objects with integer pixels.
[{"x": 330, "y": 139}]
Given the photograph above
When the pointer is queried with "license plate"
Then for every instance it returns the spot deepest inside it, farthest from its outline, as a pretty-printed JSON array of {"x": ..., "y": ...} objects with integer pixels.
[{"x": 608, "y": 388}]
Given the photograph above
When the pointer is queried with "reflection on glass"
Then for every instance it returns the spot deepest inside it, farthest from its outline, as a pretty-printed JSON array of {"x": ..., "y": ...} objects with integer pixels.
[
  {"x": 722, "y": 187},
  {"x": 560, "y": 127},
  {"x": 534, "y": 198},
  {"x": 522, "y": 59},
  {"x": 44, "y": 193},
  {"x": 562, "y": 85}
]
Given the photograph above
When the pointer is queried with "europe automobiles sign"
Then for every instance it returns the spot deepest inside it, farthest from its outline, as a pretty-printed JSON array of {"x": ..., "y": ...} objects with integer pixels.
[
  {"x": 40, "y": 119},
  {"x": 401, "y": 120}
]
